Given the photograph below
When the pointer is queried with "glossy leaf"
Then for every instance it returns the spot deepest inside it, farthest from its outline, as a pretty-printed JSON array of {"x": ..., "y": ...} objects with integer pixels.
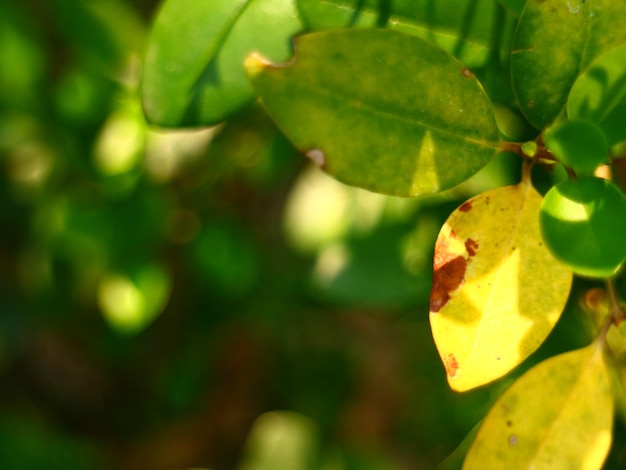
[
  {"x": 381, "y": 110},
  {"x": 467, "y": 30},
  {"x": 554, "y": 41},
  {"x": 580, "y": 145},
  {"x": 514, "y": 7},
  {"x": 556, "y": 416},
  {"x": 583, "y": 222},
  {"x": 599, "y": 92},
  {"x": 193, "y": 71},
  {"x": 497, "y": 291}
]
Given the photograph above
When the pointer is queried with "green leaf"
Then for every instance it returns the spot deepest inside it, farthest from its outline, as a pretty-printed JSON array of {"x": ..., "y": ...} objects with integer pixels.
[
  {"x": 580, "y": 145},
  {"x": 497, "y": 291},
  {"x": 556, "y": 416},
  {"x": 599, "y": 93},
  {"x": 514, "y": 7},
  {"x": 583, "y": 222},
  {"x": 193, "y": 71},
  {"x": 104, "y": 30},
  {"x": 467, "y": 30},
  {"x": 281, "y": 440},
  {"x": 554, "y": 41},
  {"x": 320, "y": 15},
  {"x": 381, "y": 110},
  {"x": 130, "y": 304}
]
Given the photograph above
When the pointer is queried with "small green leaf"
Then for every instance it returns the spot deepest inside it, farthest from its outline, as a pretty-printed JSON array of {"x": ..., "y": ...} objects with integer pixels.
[
  {"x": 381, "y": 110},
  {"x": 497, "y": 291},
  {"x": 193, "y": 71},
  {"x": 554, "y": 41},
  {"x": 599, "y": 95},
  {"x": 558, "y": 416},
  {"x": 580, "y": 145},
  {"x": 529, "y": 148},
  {"x": 583, "y": 222}
]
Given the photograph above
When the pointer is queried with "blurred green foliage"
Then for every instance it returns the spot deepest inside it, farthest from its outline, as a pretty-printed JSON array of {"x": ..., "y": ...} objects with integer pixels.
[{"x": 163, "y": 293}]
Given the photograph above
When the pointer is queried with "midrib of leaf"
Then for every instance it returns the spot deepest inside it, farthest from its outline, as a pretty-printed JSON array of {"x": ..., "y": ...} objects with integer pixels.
[
  {"x": 364, "y": 106},
  {"x": 220, "y": 39},
  {"x": 506, "y": 249},
  {"x": 555, "y": 421},
  {"x": 581, "y": 56}
]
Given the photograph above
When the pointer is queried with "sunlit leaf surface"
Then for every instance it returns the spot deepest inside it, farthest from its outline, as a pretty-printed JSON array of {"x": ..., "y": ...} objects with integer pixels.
[
  {"x": 583, "y": 222},
  {"x": 381, "y": 110},
  {"x": 557, "y": 416},
  {"x": 598, "y": 94},
  {"x": 497, "y": 291},
  {"x": 554, "y": 41},
  {"x": 193, "y": 70}
]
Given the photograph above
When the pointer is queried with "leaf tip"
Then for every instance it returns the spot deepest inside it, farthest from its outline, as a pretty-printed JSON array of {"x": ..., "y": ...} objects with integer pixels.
[{"x": 255, "y": 63}]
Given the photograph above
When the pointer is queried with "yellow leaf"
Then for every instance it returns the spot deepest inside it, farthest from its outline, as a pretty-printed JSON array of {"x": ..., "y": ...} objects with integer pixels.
[
  {"x": 556, "y": 416},
  {"x": 497, "y": 291}
]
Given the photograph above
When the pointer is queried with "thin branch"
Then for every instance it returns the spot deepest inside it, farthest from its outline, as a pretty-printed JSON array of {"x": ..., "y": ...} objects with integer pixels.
[{"x": 616, "y": 313}]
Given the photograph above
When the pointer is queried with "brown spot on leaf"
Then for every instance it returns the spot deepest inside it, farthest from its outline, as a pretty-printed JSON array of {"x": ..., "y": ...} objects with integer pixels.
[
  {"x": 466, "y": 206},
  {"x": 451, "y": 365},
  {"x": 531, "y": 104},
  {"x": 446, "y": 278},
  {"x": 512, "y": 440},
  {"x": 471, "y": 246},
  {"x": 467, "y": 72}
]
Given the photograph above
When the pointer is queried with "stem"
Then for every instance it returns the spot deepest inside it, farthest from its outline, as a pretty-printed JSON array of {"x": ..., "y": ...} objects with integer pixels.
[
  {"x": 616, "y": 312},
  {"x": 526, "y": 168},
  {"x": 542, "y": 154},
  {"x": 604, "y": 329}
]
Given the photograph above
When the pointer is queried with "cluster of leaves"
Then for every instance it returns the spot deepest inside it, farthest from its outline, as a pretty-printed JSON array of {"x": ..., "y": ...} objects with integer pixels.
[{"x": 411, "y": 98}]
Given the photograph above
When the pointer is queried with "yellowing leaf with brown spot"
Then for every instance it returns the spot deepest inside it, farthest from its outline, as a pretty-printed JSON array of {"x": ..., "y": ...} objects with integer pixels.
[
  {"x": 556, "y": 416},
  {"x": 497, "y": 291}
]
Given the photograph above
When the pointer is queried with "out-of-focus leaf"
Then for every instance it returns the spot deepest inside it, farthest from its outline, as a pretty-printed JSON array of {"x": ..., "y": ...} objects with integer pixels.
[
  {"x": 281, "y": 440},
  {"x": 497, "y": 291},
  {"x": 369, "y": 270},
  {"x": 381, "y": 110},
  {"x": 225, "y": 260},
  {"x": 583, "y": 222},
  {"x": 130, "y": 304},
  {"x": 104, "y": 30},
  {"x": 22, "y": 60},
  {"x": 554, "y": 41},
  {"x": 558, "y": 415},
  {"x": 193, "y": 72}
]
